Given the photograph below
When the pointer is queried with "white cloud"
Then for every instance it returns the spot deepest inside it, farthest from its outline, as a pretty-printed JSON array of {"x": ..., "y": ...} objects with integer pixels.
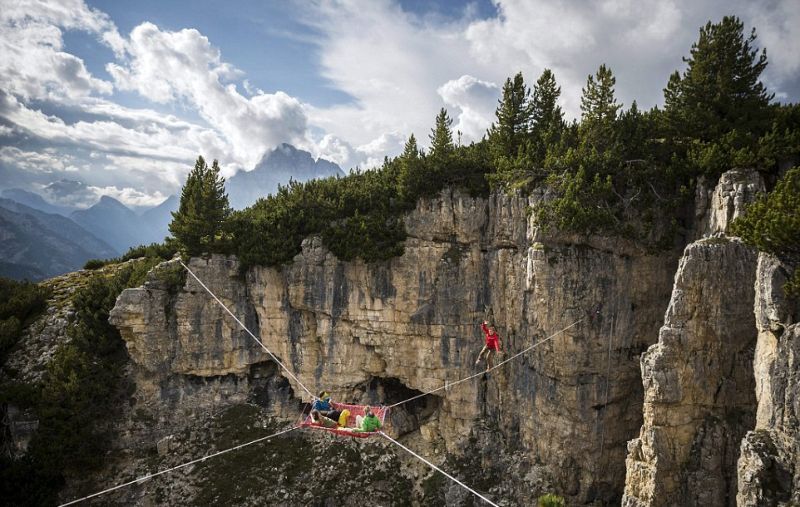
[
  {"x": 366, "y": 156},
  {"x": 41, "y": 161},
  {"x": 472, "y": 103},
  {"x": 149, "y": 140},
  {"x": 336, "y": 150},
  {"x": 398, "y": 67},
  {"x": 169, "y": 175},
  {"x": 391, "y": 62},
  {"x": 129, "y": 196},
  {"x": 75, "y": 193},
  {"x": 184, "y": 66},
  {"x": 777, "y": 27},
  {"x": 33, "y": 64}
]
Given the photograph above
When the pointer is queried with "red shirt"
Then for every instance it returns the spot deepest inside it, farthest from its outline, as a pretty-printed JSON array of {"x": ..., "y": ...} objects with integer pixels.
[{"x": 492, "y": 339}]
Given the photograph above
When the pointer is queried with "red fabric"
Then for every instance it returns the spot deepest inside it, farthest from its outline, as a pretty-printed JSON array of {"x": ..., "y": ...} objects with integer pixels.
[
  {"x": 380, "y": 413},
  {"x": 492, "y": 339}
]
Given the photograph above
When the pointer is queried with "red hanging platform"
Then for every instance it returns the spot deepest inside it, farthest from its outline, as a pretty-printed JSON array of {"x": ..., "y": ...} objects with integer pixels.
[{"x": 350, "y": 429}]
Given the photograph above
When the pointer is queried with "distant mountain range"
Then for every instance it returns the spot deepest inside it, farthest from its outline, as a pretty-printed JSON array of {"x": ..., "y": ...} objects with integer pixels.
[
  {"x": 277, "y": 167},
  {"x": 35, "y": 201},
  {"x": 157, "y": 220},
  {"x": 113, "y": 221},
  {"x": 41, "y": 239},
  {"x": 38, "y": 245}
]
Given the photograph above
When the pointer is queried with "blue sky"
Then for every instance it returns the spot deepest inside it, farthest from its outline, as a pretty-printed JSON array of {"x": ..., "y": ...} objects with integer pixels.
[{"x": 122, "y": 96}]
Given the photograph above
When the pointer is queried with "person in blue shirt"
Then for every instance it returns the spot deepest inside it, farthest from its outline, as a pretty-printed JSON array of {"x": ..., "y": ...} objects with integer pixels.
[
  {"x": 323, "y": 402},
  {"x": 323, "y": 408}
]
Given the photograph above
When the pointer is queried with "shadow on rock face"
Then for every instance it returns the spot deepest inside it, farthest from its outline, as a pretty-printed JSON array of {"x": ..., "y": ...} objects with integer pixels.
[{"x": 405, "y": 418}]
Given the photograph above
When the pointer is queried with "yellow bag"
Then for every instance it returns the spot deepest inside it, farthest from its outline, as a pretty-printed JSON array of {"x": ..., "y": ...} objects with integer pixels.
[{"x": 343, "y": 417}]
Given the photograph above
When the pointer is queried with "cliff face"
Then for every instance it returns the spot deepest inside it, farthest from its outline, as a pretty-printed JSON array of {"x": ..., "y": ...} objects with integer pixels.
[
  {"x": 769, "y": 464},
  {"x": 699, "y": 381},
  {"x": 380, "y": 333},
  {"x": 714, "y": 398}
]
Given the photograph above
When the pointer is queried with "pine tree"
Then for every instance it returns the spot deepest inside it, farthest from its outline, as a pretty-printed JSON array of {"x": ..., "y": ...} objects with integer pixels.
[
  {"x": 412, "y": 177},
  {"x": 513, "y": 119},
  {"x": 198, "y": 224},
  {"x": 441, "y": 136},
  {"x": 771, "y": 224},
  {"x": 599, "y": 109},
  {"x": 411, "y": 151},
  {"x": 546, "y": 116},
  {"x": 720, "y": 89}
]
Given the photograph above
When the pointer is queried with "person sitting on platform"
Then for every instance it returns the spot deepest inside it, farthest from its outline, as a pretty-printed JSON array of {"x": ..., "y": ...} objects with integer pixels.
[
  {"x": 369, "y": 422},
  {"x": 322, "y": 407}
]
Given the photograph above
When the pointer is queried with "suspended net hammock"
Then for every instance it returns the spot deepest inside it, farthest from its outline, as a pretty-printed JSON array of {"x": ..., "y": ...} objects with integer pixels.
[{"x": 346, "y": 426}]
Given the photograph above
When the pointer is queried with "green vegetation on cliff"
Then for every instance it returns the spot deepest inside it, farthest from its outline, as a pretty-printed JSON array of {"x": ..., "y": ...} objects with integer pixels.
[
  {"x": 20, "y": 303},
  {"x": 198, "y": 225},
  {"x": 772, "y": 224},
  {"x": 79, "y": 397},
  {"x": 621, "y": 171},
  {"x": 618, "y": 171}
]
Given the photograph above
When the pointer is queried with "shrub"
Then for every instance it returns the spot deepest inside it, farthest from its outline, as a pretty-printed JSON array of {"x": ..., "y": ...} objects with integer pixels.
[
  {"x": 771, "y": 224},
  {"x": 20, "y": 304},
  {"x": 80, "y": 395},
  {"x": 164, "y": 251},
  {"x": 96, "y": 263},
  {"x": 550, "y": 500}
]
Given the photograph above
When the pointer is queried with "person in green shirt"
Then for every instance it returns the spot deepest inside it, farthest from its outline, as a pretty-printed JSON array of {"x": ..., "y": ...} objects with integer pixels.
[{"x": 369, "y": 422}]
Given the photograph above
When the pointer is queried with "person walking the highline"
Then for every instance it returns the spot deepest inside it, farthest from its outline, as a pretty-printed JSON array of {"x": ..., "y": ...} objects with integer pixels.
[{"x": 492, "y": 345}]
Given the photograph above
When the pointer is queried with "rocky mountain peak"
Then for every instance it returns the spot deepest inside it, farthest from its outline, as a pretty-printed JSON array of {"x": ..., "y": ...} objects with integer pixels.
[{"x": 277, "y": 167}]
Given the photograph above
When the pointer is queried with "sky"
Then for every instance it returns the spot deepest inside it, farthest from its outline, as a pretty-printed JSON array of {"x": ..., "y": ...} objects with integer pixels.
[{"x": 102, "y": 97}]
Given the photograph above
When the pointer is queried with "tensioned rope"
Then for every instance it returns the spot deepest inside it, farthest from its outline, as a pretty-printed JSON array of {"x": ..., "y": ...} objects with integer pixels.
[
  {"x": 261, "y": 439},
  {"x": 448, "y": 385},
  {"x": 274, "y": 358},
  {"x": 172, "y": 469},
  {"x": 439, "y": 470}
]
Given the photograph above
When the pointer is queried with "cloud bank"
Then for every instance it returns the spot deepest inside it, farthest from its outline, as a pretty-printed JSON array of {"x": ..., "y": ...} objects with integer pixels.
[{"x": 398, "y": 68}]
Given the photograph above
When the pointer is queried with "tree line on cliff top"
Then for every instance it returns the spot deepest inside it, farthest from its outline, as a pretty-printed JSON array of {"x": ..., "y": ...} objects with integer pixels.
[{"x": 617, "y": 171}]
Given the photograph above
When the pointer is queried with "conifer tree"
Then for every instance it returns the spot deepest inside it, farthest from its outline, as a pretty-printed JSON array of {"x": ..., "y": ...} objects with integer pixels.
[
  {"x": 198, "y": 223},
  {"x": 720, "y": 89},
  {"x": 441, "y": 135},
  {"x": 508, "y": 133},
  {"x": 599, "y": 109},
  {"x": 412, "y": 176},
  {"x": 546, "y": 116},
  {"x": 411, "y": 151},
  {"x": 771, "y": 224}
]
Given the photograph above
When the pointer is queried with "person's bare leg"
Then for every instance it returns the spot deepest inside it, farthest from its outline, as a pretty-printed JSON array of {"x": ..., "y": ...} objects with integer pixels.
[
  {"x": 489, "y": 356},
  {"x": 480, "y": 355}
]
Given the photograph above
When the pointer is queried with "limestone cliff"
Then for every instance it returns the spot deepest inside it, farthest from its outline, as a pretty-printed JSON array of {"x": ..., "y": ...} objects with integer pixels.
[
  {"x": 769, "y": 464},
  {"x": 716, "y": 207},
  {"x": 699, "y": 382},
  {"x": 698, "y": 379},
  {"x": 382, "y": 332}
]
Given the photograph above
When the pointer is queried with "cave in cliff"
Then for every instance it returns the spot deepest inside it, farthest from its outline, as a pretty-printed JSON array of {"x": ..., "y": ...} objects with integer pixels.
[
  {"x": 405, "y": 418},
  {"x": 270, "y": 389}
]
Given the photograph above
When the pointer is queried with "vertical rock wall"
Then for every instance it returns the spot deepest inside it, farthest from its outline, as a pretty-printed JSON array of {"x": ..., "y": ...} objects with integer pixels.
[
  {"x": 769, "y": 464},
  {"x": 698, "y": 379},
  {"x": 376, "y": 333}
]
